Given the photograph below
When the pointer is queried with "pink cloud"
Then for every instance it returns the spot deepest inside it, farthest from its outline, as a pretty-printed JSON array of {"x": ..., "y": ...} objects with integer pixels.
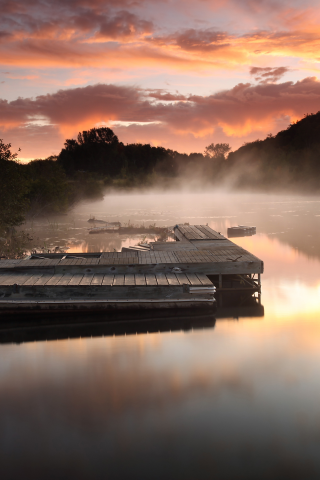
[
  {"x": 268, "y": 74},
  {"x": 84, "y": 33},
  {"x": 238, "y": 113}
]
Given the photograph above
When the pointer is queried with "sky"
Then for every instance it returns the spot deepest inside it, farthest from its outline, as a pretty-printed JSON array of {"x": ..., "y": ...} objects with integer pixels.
[{"x": 176, "y": 73}]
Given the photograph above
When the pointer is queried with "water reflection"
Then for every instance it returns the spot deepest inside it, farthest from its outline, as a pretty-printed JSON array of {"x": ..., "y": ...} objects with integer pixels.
[
  {"x": 240, "y": 400},
  {"x": 68, "y": 326},
  {"x": 134, "y": 323}
]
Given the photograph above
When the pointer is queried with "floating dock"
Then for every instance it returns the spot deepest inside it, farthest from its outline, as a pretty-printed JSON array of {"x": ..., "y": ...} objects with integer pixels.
[
  {"x": 184, "y": 273},
  {"x": 241, "y": 231}
]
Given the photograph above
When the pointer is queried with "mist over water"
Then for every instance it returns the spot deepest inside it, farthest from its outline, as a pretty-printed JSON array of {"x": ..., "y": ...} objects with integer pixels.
[
  {"x": 229, "y": 401},
  {"x": 285, "y": 217}
]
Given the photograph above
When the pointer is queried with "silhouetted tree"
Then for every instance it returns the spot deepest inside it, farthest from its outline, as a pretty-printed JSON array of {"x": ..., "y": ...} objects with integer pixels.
[
  {"x": 96, "y": 150},
  {"x": 13, "y": 189},
  {"x": 97, "y": 135},
  {"x": 217, "y": 151}
]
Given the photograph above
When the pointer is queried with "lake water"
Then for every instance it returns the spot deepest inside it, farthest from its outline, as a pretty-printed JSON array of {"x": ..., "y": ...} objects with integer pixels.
[{"x": 237, "y": 400}]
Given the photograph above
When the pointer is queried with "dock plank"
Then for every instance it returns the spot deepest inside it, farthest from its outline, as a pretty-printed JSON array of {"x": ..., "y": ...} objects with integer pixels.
[
  {"x": 5, "y": 278},
  {"x": 193, "y": 279},
  {"x": 212, "y": 234},
  {"x": 200, "y": 233},
  {"x": 97, "y": 279},
  {"x": 118, "y": 280},
  {"x": 65, "y": 279},
  {"x": 151, "y": 279},
  {"x": 140, "y": 279},
  {"x": 183, "y": 279},
  {"x": 43, "y": 279},
  {"x": 76, "y": 279},
  {"x": 86, "y": 280},
  {"x": 19, "y": 279},
  {"x": 187, "y": 232},
  {"x": 204, "y": 279},
  {"x": 172, "y": 279},
  {"x": 33, "y": 279},
  {"x": 108, "y": 279},
  {"x": 12, "y": 278},
  {"x": 181, "y": 237},
  {"x": 129, "y": 279},
  {"x": 54, "y": 279},
  {"x": 161, "y": 279}
]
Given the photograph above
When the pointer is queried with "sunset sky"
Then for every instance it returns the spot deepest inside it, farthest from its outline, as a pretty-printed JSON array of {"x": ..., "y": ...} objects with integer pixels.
[{"x": 176, "y": 73}]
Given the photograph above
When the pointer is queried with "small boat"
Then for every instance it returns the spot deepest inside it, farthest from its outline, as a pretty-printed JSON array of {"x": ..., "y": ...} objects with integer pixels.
[
  {"x": 94, "y": 220},
  {"x": 241, "y": 231},
  {"x": 113, "y": 224}
]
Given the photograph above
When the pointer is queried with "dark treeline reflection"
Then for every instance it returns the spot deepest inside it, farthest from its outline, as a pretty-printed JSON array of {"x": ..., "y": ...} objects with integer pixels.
[{"x": 67, "y": 326}]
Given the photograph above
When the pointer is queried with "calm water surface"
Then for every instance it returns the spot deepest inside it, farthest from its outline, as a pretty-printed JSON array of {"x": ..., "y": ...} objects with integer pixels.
[{"x": 240, "y": 400}]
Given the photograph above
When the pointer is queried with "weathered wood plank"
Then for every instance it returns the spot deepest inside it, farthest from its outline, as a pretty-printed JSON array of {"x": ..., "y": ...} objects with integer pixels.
[
  {"x": 5, "y": 278},
  {"x": 198, "y": 234},
  {"x": 151, "y": 279},
  {"x": 172, "y": 279},
  {"x": 19, "y": 279},
  {"x": 193, "y": 279},
  {"x": 54, "y": 279},
  {"x": 76, "y": 279},
  {"x": 32, "y": 280},
  {"x": 172, "y": 246},
  {"x": 204, "y": 265},
  {"x": 211, "y": 233},
  {"x": 161, "y": 279},
  {"x": 129, "y": 279},
  {"x": 9, "y": 263},
  {"x": 118, "y": 280},
  {"x": 97, "y": 279},
  {"x": 180, "y": 235},
  {"x": 108, "y": 279},
  {"x": 182, "y": 278},
  {"x": 140, "y": 279},
  {"x": 65, "y": 279},
  {"x": 116, "y": 304},
  {"x": 187, "y": 232},
  {"x": 43, "y": 279},
  {"x": 204, "y": 279},
  {"x": 11, "y": 278},
  {"x": 86, "y": 280}
]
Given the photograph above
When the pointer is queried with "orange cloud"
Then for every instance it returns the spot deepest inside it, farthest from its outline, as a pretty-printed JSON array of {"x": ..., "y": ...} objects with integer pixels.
[
  {"x": 238, "y": 112},
  {"x": 81, "y": 33}
]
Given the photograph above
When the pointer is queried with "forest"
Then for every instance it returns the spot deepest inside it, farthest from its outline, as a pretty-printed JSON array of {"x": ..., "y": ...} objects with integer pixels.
[{"x": 97, "y": 162}]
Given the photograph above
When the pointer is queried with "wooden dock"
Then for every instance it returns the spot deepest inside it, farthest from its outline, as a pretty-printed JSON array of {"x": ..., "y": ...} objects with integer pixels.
[{"x": 183, "y": 273}]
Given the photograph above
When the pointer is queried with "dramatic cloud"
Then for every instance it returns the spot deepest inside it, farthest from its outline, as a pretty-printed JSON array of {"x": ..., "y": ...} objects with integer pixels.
[
  {"x": 176, "y": 51},
  {"x": 195, "y": 40},
  {"x": 83, "y": 33},
  {"x": 237, "y": 112},
  {"x": 268, "y": 74}
]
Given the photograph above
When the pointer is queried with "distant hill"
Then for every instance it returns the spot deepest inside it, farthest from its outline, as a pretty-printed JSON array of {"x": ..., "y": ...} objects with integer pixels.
[{"x": 289, "y": 159}]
